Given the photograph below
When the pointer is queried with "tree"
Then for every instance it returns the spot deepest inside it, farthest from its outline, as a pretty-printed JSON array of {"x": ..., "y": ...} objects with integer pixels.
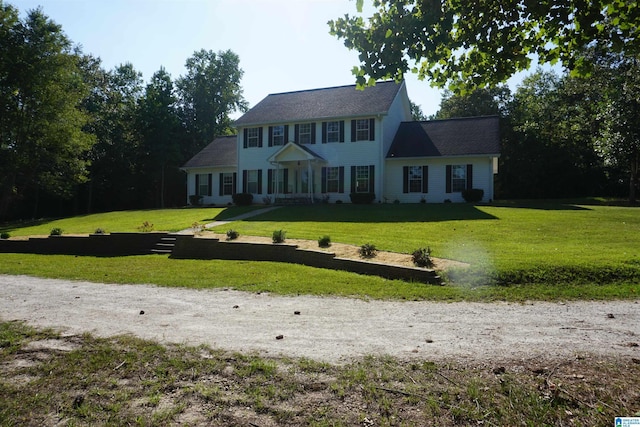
[
  {"x": 159, "y": 125},
  {"x": 471, "y": 44},
  {"x": 617, "y": 78},
  {"x": 42, "y": 138},
  {"x": 480, "y": 102},
  {"x": 416, "y": 112},
  {"x": 208, "y": 93}
]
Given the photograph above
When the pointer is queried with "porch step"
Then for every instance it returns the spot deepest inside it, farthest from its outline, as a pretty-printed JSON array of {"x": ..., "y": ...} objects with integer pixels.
[{"x": 164, "y": 246}]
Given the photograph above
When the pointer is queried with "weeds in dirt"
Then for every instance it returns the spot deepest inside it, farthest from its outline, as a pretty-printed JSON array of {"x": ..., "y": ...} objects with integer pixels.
[{"x": 47, "y": 379}]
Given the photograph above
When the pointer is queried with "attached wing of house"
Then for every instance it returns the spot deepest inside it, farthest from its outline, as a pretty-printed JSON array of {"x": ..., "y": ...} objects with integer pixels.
[{"x": 327, "y": 144}]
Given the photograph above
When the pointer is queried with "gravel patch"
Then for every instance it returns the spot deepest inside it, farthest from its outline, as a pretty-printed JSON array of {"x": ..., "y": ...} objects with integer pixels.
[{"x": 323, "y": 328}]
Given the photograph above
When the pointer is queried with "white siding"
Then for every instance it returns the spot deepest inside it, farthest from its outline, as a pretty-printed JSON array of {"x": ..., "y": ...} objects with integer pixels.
[{"x": 482, "y": 178}]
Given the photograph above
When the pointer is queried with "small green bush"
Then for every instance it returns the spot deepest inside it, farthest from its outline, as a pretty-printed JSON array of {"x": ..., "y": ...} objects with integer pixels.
[
  {"x": 195, "y": 200},
  {"x": 4, "y": 235},
  {"x": 368, "y": 250},
  {"x": 324, "y": 241},
  {"x": 145, "y": 227},
  {"x": 100, "y": 231},
  {"x": 473, "y": 195},
  {"x": 422, "y": 257},
  {"x": 232, "y": 234},
  {"x": 242, "y": 199},
  {"x": 362, "y": 198},
  {"x": 279, "y": 236},
  {"x": 55, "y": 232}
]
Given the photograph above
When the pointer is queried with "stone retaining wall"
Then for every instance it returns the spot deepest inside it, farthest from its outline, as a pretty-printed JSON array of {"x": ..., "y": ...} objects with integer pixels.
[
  {"x": 188, "y": 247},
  {"x": 113, "y": 244}
]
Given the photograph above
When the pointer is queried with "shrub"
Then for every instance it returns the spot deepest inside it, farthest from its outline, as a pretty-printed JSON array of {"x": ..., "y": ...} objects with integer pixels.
[
  {"x": 279, "y": 236},
  {"x": 266, "y": 200},
  {"x": 197, "y": 227},
  {"x": 473, "y": 195},
  {"x": 232, "y": 234},
  {"x": 100, "y": 231},
  {"x": 422, "y": 257},
  {"x": 423, "y": 200},
  {"x": 55, "y": 232},
  {"x": 195, "y": 200},
  {"x": 324, "y": 241},
  {"x": 242, "y": 199},
  {"x": 338, "y": 202},
  {"x": 368, "y": 250},
  {"x": 362, "y": 198},
  {"x": 4, "y": 235},
  {"x": 145, "y": 227}
]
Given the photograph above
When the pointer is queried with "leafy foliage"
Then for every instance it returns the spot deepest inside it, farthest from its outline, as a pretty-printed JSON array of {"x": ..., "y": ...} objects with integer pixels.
[
  {"x": 56, "y": 232},
  {"x": 478, "y": 44},
  {"x": 324, "y": 241},
  {"x": 422, "y": 257},
  {"x": 473, "y": 195},
  {"x": 279, "y": 236},
  {"x": 242, "y": 199},
  {"x": 232, "y": 234},
  {"x": 362, "y": 198},
  {"x": 146, "y": 227},
  {"x": 368, "y": 250}
]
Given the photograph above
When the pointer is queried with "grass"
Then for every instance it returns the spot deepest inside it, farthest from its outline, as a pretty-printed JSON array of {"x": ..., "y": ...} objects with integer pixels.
[
  {"x": 549, "y": 250},
  {"x": 84, "y": 380}
]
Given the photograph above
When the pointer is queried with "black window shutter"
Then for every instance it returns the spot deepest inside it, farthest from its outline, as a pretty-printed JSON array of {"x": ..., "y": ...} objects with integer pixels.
[
  {"x": 324, "y": 177},
  {"x": 197, "y": 193},
  {"x": 210, "y": 182},
  {"x": 353, "y": 130},
  {"x": 286, "y": 135},
  {"x": 244, "y": 181},
  {"x": 245, "y": 138},
  {"x": 324, "y": 133},
  {"x": 469, "y": 176},
  {"x": 372, "y": 179},
  {"x": 221, "y": 185},
  {"x": 286, "y": 181},
  {"x": 353, "y": 179},
  {"x": 372, "y": 129},
  {"x": 260, "y": 137},
  {"x": 313, "y": 133},
  {"x": 341, "y": 130},
  {"x": 405, "y": 179},
  {"x": 425, "y": 179},
  {"x": 341, "y": 180},
  {"x": 259, "y": 181},
  {"x": 296, "y": 137},
  {"x": 270, "y": 142},
  {"x": 270, "y": 181},
  {"x": 448, "y": 178},
  {"x": 235, "y": 178}
]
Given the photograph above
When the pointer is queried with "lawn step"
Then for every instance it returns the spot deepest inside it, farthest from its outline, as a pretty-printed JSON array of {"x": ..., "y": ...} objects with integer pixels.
[{"x": 164, "y": 246}]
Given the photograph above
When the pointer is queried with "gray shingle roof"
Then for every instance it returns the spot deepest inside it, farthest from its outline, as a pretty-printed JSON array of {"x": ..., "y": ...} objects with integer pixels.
[
  {"x": 450, "y": 137},
  {"x": 315, "y": 104},
  {"x": 222, "y": 151}
]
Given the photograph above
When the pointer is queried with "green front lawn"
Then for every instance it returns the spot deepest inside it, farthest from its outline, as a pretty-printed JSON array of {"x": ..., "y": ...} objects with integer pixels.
[{"x": 541, "y": 250}]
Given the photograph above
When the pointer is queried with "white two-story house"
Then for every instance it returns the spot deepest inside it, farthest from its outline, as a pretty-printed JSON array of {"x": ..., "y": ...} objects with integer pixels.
[{"x": 326, "y": 144}]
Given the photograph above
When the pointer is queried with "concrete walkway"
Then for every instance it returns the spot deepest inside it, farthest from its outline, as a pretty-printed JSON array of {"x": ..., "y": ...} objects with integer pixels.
[{"x": 227, "y": 221}]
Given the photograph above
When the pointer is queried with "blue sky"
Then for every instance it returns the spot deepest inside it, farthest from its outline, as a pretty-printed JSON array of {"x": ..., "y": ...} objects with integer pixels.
[{"x": 283, "y": 45}]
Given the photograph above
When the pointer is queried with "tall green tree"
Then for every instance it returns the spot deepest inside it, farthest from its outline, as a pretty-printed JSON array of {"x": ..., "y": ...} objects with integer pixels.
[
  {"x": 480, "y": 102},
  {"x": 42, "y": 138},
  {"x": 114, "y": 109},
  {"x": 469, "y": 44},
  {"x": 159, "y": 125},
  {"x": 208, "y": 93}
]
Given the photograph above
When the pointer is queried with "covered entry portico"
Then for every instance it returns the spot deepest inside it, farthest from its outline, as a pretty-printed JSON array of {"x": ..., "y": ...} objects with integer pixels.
[{"x": 293, "y": 180}]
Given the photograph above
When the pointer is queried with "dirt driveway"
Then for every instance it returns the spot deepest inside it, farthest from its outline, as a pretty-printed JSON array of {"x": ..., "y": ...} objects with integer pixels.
[{"x": 329, "y": 329}]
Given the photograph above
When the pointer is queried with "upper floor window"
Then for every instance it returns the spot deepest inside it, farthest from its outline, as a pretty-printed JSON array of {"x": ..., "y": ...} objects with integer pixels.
[
  {"x": 363, "y": 130},
  {"x": 253, "y": 137},
  {"x": 333, "y": 131},
  {"x": 278, "y": 135},
  {"x": 304, "y": 133}
]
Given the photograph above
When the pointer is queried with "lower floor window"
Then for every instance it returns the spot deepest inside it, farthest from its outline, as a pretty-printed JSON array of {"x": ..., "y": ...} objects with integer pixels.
[
  {"x": 333, "y": 179},
  {"x": 458, "y": 178},
  {"x": 415, "y": 179},
  {"x": 202, "y": 184},
  {"x": 227, "y": 184},
  {"x": 362, "y": 179}
]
